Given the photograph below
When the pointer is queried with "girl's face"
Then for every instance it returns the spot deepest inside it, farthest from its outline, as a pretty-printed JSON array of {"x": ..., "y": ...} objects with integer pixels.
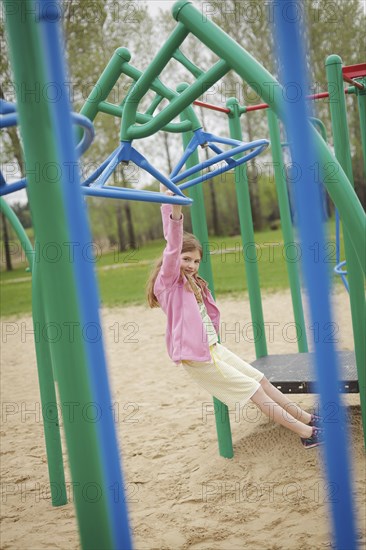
[{"x": 190, "y": 262}]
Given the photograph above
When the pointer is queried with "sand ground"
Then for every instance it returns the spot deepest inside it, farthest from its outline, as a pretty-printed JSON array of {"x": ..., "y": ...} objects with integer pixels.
[{"x": 181, "y": 494}]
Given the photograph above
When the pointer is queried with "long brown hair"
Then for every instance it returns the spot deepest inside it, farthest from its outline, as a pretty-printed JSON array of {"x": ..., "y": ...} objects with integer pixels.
[{"x": 190, "y": 244}]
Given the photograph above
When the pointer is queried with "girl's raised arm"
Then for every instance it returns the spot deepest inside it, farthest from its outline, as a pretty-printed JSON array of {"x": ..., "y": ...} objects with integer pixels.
[
  {"x": 175, "y": 209},
  {"x": 173, "y": 233}
]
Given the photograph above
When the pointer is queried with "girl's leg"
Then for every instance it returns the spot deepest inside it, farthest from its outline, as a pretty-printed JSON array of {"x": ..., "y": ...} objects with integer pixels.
[
  {"x": 289, "y": 406},
  {"x": 272, "y": 392},
  {"x": 275, "y": 412}
]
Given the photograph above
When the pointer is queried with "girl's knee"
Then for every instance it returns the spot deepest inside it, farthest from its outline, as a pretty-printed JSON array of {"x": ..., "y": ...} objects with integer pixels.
[
  {"x": 259, "y": 395},
  {"x": 265, "y": 382}
]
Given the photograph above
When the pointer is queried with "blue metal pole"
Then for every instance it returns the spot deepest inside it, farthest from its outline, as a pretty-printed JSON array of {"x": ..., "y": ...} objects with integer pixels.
[
  {"x": 292, "y": 56},
  {"x": 85, "y": 277}
]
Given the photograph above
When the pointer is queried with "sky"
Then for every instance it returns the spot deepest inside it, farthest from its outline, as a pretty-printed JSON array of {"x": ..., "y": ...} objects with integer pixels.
[{"x": 154, "y": 5}]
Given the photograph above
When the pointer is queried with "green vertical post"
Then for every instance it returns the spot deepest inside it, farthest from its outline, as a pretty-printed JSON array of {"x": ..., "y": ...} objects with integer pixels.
[
  {"x": 45, "y": 372},
  {"x": 199, "y": 225},
  {"x": 247, "y": 235},
  {"x": 57, "y": 273},
  {"x": 355, "y": 275},
  {"x": 286, "y": 227},
  {"x": 361, "y": 99},
  {"x": 51, "y": 424}
]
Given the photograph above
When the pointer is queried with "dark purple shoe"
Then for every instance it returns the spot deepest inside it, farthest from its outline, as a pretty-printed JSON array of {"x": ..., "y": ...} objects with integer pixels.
[
  {"x": 316, "y": 438},
  {"x": 316, "y": 421}
]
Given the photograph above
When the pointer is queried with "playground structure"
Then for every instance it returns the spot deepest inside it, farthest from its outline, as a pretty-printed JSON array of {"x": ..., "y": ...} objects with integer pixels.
[{"x": 80, "y": 369}]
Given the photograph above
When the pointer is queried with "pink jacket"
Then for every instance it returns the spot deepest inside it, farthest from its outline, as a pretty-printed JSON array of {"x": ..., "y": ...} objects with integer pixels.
[{"x": 185, "y": 334}]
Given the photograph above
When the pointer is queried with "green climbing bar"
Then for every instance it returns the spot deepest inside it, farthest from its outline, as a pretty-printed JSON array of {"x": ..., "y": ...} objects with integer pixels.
[
  {"x": 286, "y": 227},
  {"x": 247, "y": 236}
]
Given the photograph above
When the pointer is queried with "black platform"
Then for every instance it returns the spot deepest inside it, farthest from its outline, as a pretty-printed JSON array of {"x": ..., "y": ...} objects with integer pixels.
[{"x": 295, "y": 373}]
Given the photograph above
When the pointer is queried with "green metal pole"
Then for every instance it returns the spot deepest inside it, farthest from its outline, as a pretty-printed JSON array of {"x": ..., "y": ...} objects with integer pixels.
[
  {"x": 130, "y": 131},
  {"x": 187, "y": 63},
  {"x": 117, "y": 111},
  {"x": 287, "y": 229},
  {"x": 105, "y": 82},
  {"x": 342, "y": 193},
  {"x": 317, "y": 123},
  {"x": 19, "y": 230},
  {"x": 361, "y": 99},
  {"x": 355, "y": 275},
  {"x": 119, "y": 64},
  {"x": 45, "y": 372},
  {"x": 247, "y": 235},
  {"x": 48, "y": 394},
  {"x": 151, "y": 73},
  {"x": 199, "y": 225},
  {"x": 58, "y": 279}
]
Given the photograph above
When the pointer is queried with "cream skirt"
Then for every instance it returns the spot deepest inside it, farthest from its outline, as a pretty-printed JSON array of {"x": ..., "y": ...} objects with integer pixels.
[{"x": 226, "y": 377}]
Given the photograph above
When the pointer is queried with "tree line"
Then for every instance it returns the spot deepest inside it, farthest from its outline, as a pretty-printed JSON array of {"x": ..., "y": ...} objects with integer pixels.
[{"x": 93, "y": 29}]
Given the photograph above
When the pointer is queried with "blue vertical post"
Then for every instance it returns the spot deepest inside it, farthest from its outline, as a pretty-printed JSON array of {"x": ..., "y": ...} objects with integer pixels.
[
  {"x": 291, "y": 57},
  {"x": 88, "y": 295}
]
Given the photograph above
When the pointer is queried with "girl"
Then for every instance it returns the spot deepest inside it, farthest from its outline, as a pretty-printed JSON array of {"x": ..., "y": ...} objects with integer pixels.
[{"x": 192, "y": 333}]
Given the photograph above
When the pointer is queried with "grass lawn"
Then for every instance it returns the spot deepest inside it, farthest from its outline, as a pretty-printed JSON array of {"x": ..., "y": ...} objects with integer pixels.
[{"x": 122, "y": 277}]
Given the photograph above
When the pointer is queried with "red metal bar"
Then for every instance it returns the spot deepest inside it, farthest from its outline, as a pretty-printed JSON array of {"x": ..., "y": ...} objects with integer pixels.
[
  {"x": 353, "y": 82},
  {"x": 256, "y": 107},
  {"x": 265, "y": 106},
  {"x": 355, "y": 71},
  {"x": 212, "y": 107},
  {"x": 260, "y": 106}
]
